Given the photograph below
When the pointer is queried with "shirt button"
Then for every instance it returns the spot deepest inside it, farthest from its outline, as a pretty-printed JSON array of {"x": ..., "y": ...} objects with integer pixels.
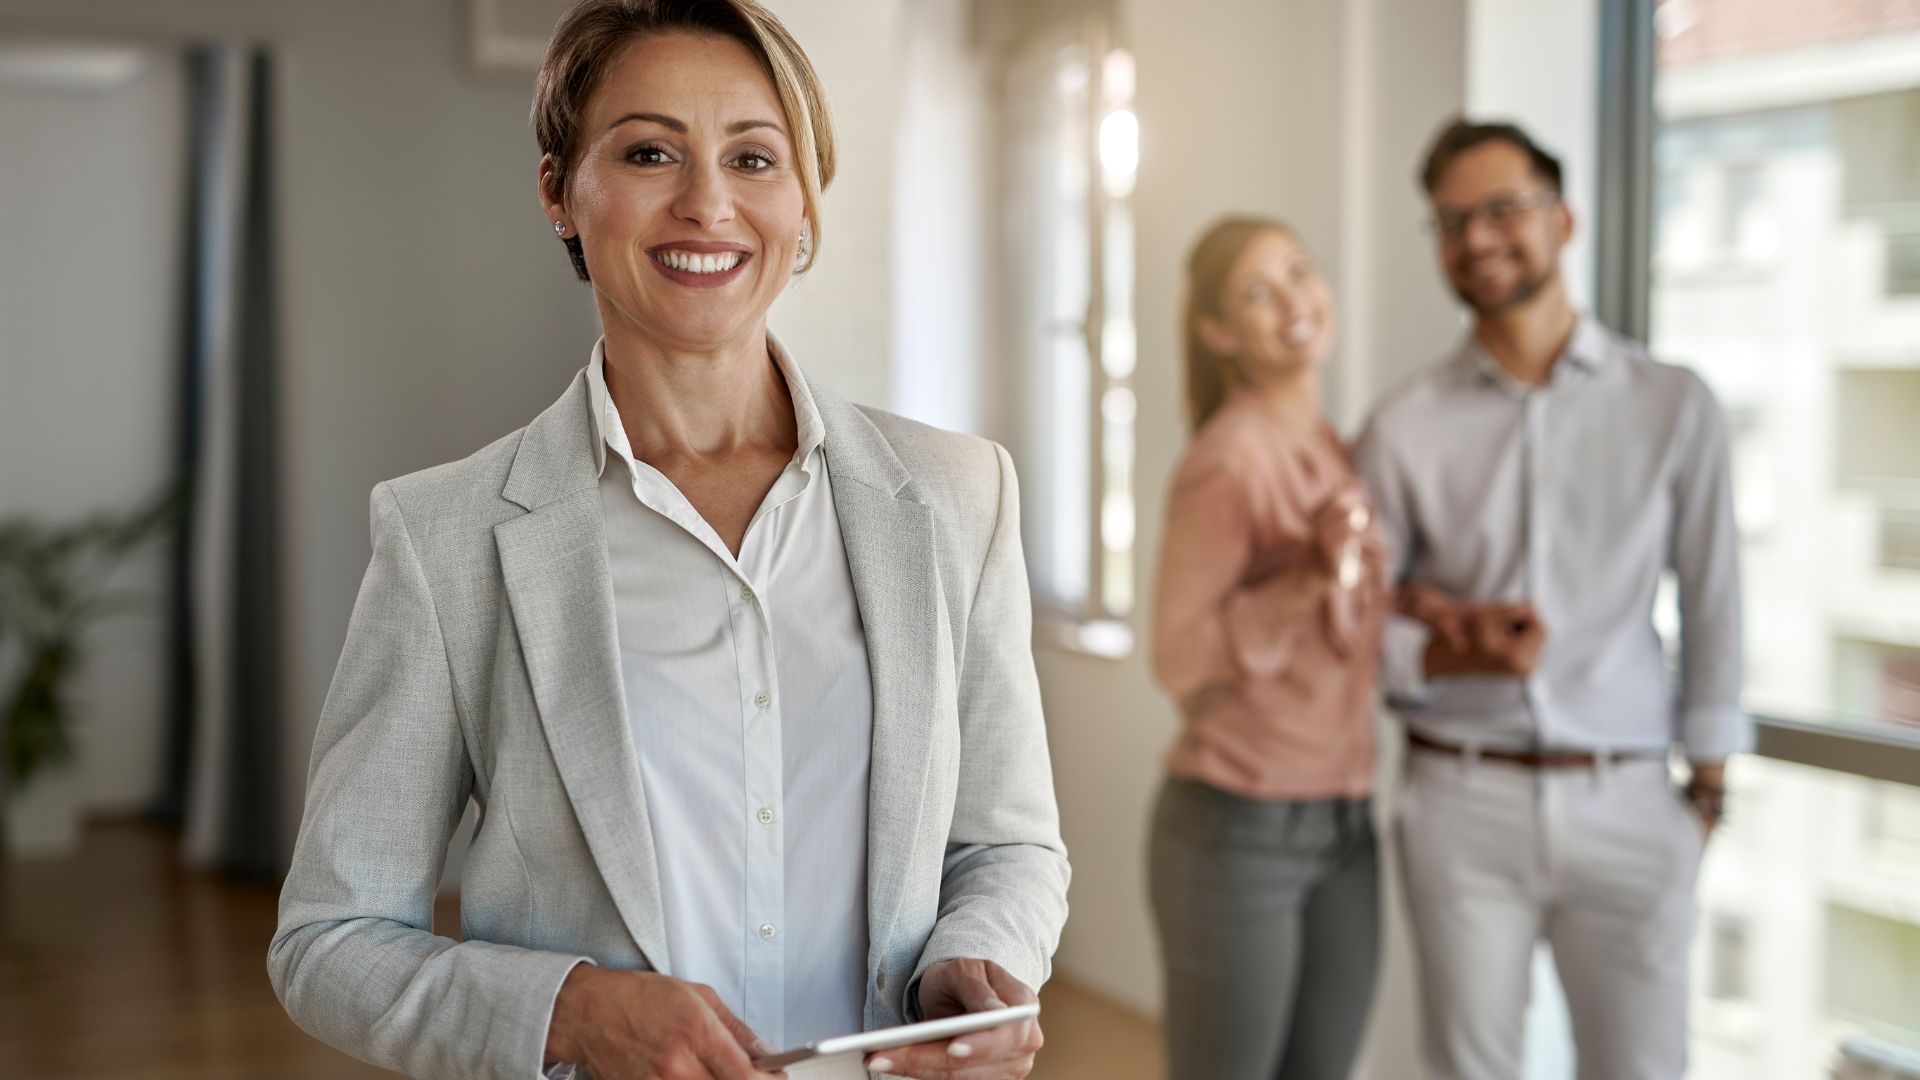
[
  {"x": 766, "y": 931},
  {"x": 746, "y": 593},
  {"x": 765, "y": 815},
  {"x": 763, "y": 699}
]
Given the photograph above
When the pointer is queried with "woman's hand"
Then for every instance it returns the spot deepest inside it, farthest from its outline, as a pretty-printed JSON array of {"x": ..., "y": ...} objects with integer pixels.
[
  {"x": 1340, "y": 527},
  {"x": 963, "y": 986},
  {"x": 1444, "y": 614},
  {"x": 636, "y": 1025}
]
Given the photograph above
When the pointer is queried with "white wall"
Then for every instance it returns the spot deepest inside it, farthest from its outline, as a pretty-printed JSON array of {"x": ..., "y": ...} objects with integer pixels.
[
  {"x": 90, "y": 198},
  {"x": 839, "y": 320},
  {"x": 1408, "y": 63},
  {"x": 942, "y": 224}
]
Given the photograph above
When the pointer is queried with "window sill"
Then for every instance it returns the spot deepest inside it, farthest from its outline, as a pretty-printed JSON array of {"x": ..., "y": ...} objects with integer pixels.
[{"x": 1878, "y": 752}]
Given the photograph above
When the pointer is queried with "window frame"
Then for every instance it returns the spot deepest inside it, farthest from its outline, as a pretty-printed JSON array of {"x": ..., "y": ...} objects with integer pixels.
[
  {"x": 1090, "y": 626},
  {"x": 1623, "y": 297}
]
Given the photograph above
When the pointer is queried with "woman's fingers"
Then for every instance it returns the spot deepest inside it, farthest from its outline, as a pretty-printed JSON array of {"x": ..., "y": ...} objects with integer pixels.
[{"x": 1002, "y": 1052}]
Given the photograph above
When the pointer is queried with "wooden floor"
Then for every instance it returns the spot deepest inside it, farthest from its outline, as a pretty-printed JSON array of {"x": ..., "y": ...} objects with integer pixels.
[{"x": 118, "y": 964}]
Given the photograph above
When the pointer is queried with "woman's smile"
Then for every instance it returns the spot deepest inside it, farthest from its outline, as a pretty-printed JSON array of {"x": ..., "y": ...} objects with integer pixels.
[
  {"x": 1302, "y": 331},
  {"x": 700, "y": 264}
]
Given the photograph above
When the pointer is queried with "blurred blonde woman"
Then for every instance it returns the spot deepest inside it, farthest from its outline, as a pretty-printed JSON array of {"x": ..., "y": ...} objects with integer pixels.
[{"x": 1268, "y": 616}]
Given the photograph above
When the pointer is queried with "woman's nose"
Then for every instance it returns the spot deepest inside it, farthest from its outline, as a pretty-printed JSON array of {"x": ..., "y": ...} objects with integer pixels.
[{"x": 703, "y": 199}]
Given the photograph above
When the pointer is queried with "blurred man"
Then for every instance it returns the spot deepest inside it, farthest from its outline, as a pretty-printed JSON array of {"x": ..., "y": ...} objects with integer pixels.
[{"x": 1534, "y": 487}]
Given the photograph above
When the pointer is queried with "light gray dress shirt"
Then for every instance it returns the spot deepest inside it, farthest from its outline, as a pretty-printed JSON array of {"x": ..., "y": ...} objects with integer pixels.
[
  {"x": 1576, "y": 495},
  {"x": 751, "y": 708}
]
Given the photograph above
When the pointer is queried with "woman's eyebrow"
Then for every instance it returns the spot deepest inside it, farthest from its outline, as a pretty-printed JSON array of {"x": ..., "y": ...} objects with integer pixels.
[
  {"x": 680, "y": 126},
  {"x": 739, "y": 126},
  {"x": 664, "y": 121}
]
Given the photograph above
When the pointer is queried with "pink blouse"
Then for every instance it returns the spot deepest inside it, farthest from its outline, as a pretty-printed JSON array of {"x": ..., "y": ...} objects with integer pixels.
[{"x": 1276, "y": 697}]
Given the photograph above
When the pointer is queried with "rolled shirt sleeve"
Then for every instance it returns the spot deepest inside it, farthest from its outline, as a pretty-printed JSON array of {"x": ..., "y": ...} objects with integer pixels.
[{"x": 1706, "y": 560}]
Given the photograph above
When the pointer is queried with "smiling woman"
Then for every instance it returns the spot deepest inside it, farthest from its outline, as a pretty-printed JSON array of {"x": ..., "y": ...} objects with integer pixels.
[{"x": 692, "y": 641}]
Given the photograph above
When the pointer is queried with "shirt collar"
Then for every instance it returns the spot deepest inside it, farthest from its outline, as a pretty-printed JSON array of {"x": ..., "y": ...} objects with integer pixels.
[
  {"x": 1588, "y": 351},
  {"x": 608, "y": 431}
]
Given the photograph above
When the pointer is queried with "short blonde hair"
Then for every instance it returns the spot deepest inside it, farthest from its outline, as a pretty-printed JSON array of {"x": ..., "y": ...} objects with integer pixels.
[{"x": 593, "y": 32}]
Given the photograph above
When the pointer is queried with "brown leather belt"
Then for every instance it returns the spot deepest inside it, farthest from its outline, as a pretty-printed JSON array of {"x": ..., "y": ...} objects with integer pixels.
[{"x": 1533, "y": 759}]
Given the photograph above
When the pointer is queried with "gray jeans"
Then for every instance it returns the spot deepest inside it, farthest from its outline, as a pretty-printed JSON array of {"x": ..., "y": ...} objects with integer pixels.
[{"x": 1269, "y": 920}]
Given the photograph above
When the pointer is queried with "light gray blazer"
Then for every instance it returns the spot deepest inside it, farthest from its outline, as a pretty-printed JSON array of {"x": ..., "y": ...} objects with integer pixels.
[{"x": 481, "y": 661}]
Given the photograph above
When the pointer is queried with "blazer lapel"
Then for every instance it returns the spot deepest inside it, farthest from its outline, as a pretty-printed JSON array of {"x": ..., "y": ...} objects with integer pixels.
[
  {"x": 554, "y": 562},
  {"x": 890, "y": 554}
]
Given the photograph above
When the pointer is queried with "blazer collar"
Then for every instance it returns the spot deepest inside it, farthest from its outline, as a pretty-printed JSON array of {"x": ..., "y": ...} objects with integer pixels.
[
  {"x": 555, "y": 457},
  {"x": 857, "y": 449}
]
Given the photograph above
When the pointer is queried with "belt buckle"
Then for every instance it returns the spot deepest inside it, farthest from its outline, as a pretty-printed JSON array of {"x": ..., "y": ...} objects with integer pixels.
[{"x": 1602, "y": 765}]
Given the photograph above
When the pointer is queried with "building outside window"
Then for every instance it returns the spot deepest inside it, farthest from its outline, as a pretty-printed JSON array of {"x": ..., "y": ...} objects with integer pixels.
[{"x": 1785, "y": 225}]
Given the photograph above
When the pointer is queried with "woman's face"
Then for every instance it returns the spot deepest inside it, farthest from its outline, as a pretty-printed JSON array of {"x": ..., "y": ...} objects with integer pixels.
[
  {"x": 686, "y": 196},
  {"x": 1276, "y": 314}
]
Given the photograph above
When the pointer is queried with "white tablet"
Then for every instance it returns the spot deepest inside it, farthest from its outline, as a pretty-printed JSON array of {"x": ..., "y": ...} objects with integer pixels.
[{"x": 905, "y": 1035}]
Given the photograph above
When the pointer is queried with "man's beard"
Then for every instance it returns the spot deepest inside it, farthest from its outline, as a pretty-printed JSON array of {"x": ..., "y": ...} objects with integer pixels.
[{"x": 1524, "y": 291}]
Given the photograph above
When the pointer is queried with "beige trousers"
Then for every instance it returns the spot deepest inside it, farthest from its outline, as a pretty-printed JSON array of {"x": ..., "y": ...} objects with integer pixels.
[{"x": 1597, "y": 862}]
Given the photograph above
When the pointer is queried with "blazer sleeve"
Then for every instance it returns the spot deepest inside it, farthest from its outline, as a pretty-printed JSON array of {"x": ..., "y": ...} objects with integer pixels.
[
  {"x": 1003, "y": 891},
  {"x": 354, "y": 959}
]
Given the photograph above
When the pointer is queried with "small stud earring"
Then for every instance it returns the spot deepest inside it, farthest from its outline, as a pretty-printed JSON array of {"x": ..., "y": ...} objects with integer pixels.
[{"x": 560, "y": 229}]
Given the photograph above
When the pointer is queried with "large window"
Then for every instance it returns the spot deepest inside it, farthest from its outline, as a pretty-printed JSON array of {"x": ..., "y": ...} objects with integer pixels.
[
  {"x": 1779, "y": 188},
  {"x": 1066, "y": 255}
]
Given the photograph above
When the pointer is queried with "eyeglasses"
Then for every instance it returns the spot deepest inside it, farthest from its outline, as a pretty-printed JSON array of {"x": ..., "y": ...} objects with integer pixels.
[{"x": 1501, "y": 212}]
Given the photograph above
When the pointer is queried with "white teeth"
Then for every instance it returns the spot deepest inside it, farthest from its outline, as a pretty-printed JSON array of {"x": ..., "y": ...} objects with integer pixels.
[
  {"x": 1302, "y": 331},
  {"x": 692, "y": 263}
]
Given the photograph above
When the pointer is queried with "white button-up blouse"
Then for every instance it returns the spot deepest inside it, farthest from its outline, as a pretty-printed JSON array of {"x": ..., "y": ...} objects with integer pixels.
[{"x": 751, "y": 708}]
